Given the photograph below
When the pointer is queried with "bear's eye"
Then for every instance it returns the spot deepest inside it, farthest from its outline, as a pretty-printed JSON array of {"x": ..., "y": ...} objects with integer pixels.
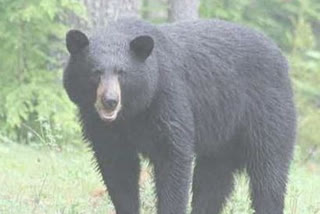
[
  {"x": 96, "y": 75},
  {"x": 119, "y": 71},
  {"x": 97, "y": 72}
]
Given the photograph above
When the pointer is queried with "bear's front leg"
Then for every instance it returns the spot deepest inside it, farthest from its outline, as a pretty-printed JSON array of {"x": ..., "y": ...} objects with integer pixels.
[
  {"x": 120, "y": 167},
  {"x": 172, "y": 176},
  {"x": 172, "y": 164},
  {"x": 174, "y": 149}
]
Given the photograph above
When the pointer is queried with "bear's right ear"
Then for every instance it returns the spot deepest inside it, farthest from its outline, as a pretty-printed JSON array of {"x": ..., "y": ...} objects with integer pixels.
[{"x": 76, "y": 41}]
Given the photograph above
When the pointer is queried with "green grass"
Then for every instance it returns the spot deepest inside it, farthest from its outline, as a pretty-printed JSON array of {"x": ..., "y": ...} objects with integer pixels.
[{"x": 43, "y": 180}]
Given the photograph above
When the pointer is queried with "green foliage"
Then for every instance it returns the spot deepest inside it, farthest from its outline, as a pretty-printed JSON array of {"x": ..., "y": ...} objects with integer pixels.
[
  {"x": 305, "y": 63},
  {"x": 277, "y": 18},
  {"x": 31, "y": 95},
  {"x": 294, "y": 25}
]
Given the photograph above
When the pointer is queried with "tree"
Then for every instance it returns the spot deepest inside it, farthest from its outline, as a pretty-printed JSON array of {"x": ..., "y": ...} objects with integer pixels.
[
  {"x": 100, "y": 11},
  {"x": 182, "y": 10}
]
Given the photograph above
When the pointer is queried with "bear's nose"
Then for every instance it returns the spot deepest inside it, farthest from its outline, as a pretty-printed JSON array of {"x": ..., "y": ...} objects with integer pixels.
[{"x": 110, "y": 103}]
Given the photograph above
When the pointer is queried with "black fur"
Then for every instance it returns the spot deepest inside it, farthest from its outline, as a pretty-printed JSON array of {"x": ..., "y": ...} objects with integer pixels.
[{"x": 208, "y": 89}]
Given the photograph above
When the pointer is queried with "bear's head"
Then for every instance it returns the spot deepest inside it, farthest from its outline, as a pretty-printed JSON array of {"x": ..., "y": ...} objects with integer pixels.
[{"x": 114, "y": 74}]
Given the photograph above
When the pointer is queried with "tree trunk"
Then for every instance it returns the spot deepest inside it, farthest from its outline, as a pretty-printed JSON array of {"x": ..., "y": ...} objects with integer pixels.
[
  {"x": 100, "y": 11},
  {"x": 182, "y": 10}
]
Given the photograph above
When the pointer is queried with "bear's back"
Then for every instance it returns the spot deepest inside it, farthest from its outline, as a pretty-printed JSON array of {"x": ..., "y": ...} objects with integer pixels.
[
  {"x": 215, "y": 51},
  {"x": 231, "y": 70}
]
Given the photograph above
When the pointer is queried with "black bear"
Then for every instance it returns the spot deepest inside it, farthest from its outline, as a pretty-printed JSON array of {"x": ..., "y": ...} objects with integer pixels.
[{"x": 207, "y": 90}]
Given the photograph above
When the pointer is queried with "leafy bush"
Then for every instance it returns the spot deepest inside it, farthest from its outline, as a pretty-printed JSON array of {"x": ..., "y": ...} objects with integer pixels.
[
  {"x": 31, "y": 95},
  {"x": 305, "y": 63}
]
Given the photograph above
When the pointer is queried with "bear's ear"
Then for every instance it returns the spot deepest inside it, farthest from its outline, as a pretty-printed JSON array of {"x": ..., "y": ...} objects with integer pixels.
[
  {"x": 142, "y": 46},
  {"x": 76, "y": 41}
]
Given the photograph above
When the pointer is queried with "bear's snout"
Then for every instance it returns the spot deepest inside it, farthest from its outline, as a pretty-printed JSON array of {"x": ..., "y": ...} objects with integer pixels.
[{"x": 110, "y": 102}]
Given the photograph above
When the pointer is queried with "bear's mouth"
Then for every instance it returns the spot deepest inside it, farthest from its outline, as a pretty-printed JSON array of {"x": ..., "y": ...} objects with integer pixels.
[
  {"x": 108, "y": 116},
  {"x": 105, "y": 114}
]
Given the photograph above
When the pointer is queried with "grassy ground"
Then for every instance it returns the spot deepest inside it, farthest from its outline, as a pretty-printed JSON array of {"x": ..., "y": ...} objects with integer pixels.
[{"x": 43, "y": 180}]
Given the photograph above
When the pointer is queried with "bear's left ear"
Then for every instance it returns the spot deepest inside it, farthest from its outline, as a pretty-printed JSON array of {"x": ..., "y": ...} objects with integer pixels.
[
  {"x": 142, "y": 46},
  {"x": 76, "y": 41}
]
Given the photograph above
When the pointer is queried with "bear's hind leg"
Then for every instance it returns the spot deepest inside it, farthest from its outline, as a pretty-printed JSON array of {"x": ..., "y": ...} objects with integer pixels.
[
  {"x": 268, "y": 159},
  {"x": 212, "y": 183},
  {"x": 268, "y": 178}
]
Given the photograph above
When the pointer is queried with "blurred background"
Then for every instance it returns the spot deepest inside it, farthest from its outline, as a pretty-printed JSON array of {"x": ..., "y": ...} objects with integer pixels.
[{"x": 44, "y": 165}]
